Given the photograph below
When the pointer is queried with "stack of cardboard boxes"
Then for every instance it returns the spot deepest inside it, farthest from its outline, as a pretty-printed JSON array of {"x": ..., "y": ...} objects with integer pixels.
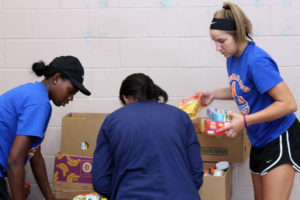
[
  {"x": 215, "y": 148},
  {"x": 73, "y": 164}
]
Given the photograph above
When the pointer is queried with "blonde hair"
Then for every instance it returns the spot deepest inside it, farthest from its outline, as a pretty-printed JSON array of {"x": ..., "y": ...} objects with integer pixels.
[{"x": 243, "y": 30}]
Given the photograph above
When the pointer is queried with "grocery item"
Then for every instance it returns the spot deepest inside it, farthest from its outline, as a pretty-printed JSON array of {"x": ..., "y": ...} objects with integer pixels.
[
  {"x": 223, "y": 165},
  {"x": 219, "y": 119},
  {"x": 218, "y": 172},
  {"x": 213, "y": 126},
  {"x": 191, "y": 105},
  {"x": 220, "y": 115},
  {"x": 212, "y": 170},
  {"x": 206, "y": 172},
  {"x": 88, "y": 196}
]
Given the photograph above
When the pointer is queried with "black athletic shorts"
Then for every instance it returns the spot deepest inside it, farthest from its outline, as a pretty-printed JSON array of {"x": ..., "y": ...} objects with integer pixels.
[
  {"x": 285, "y": 149},
  {"x": 3, "y": 190}
]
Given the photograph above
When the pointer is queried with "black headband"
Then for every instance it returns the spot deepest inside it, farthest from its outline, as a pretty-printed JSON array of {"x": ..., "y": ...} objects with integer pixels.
[
  {"x": 223, "y": 24},
  {"x": 226, "y": 7}
]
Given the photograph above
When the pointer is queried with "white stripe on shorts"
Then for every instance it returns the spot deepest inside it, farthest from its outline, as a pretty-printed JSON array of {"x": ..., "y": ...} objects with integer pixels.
[
  {"x": 265, "y": 171},
  {"x": 295, "y": 166}
]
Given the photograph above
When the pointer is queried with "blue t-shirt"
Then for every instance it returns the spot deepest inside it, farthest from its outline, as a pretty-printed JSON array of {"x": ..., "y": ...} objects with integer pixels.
[
  {"x": 147, "y": 150},
  {"x": 24, "y": 110},
  {"x": 251, "y": 76}
]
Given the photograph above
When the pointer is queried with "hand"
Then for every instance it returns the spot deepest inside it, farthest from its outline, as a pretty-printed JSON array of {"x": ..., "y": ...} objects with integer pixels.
[
  {"x": 235, "y": 126},
  {"x": 207, "y": 97}
]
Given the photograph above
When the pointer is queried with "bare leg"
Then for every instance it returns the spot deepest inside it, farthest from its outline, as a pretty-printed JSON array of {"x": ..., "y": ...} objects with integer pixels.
[
  {"x": 257, "y": 186},
  {"x": 278, "y": 183}
]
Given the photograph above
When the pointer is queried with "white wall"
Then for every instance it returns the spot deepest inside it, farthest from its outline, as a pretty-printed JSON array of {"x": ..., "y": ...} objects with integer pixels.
[{"x": 166, "y": 39}]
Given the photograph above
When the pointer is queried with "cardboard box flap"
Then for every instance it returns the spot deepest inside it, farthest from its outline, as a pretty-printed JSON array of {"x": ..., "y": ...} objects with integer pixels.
[
  {"x": 79, "y": 133},
  {"x": 65, "y": 190},
  {"x": 86, "y": 115}
]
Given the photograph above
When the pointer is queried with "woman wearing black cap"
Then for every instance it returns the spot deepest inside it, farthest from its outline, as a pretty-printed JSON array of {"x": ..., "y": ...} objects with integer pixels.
[
  {"x": 25, "y": 112},
  {"x": 265, "y": 102}
]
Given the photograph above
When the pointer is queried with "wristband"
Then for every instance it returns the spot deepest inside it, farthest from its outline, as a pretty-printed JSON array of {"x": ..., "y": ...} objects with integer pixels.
[{"x": 245, "y": 121}]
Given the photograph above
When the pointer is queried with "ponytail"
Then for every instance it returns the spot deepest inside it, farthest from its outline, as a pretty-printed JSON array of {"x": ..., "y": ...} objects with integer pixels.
[
  {"x": 233, "y": 12},
  {"x": 39, "y": 68}
]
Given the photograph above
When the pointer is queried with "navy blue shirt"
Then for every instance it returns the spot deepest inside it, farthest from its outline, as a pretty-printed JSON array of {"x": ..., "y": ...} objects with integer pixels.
[{"x": 147, "y": 150}]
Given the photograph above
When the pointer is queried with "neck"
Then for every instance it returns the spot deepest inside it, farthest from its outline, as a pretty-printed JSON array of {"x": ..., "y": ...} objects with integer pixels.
[
  {"x": 47, "y": 86},
  {"x": 241, "y": 49}
]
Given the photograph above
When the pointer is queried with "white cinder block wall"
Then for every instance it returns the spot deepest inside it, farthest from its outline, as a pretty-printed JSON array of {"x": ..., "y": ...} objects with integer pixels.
[{"x": 166, "y": 39}]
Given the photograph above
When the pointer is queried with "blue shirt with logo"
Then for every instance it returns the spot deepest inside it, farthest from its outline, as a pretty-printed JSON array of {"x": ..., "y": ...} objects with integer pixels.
[
  {"x": 147, "y": 150},
  {"x": 251, "y": 76},
  {"x": 24, "y": 110}
]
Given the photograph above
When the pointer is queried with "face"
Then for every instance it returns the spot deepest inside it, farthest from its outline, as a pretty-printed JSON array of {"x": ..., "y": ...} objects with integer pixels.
[
  {"x": 225, "y": 43},
  {"x": 63, "y": 91}
]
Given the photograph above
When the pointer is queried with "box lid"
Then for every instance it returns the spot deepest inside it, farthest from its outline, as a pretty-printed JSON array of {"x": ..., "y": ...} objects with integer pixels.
[{"x": 79, "y": 133}]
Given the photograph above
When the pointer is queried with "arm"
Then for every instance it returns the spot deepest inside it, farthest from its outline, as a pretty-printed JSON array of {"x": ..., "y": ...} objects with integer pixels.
[
  {"x": 15, "y": 166},
  {"x": 39, "y": 171},
  {"x": 194, "y": 156},
  {"x": 221, "y": 93},
  {"x": 102, "y": 165},
  {"x": 284, "y": 104}
]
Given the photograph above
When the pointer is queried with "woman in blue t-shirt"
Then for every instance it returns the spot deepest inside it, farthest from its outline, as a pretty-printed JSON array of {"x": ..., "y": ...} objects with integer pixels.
[
  {"x": 25, "y": 112},
  {"x": 265, "y": 102}
]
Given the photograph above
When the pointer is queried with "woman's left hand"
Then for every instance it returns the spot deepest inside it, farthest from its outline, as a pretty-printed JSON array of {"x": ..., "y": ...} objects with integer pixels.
[{"x": 235, "y": 126}]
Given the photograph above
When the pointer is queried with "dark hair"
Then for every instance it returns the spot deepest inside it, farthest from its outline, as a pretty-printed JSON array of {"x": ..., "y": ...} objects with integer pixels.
[
  {"x": 41, "y": 69},
  {"x": 140, "y": 87}
]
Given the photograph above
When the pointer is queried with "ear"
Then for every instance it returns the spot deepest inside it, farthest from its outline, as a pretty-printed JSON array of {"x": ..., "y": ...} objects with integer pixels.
[
  {"x": 55, "y": 78},
  {"x": 127, "y": 100}
]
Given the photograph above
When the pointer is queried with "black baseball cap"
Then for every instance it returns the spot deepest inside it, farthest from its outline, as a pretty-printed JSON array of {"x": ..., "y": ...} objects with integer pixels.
[{"x": 71, "y": 67}]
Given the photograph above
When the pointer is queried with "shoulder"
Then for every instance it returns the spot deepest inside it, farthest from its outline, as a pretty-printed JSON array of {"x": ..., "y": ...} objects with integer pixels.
[
  {"x": 258, "y": 54},
  {"x": 30, "y": 94}
]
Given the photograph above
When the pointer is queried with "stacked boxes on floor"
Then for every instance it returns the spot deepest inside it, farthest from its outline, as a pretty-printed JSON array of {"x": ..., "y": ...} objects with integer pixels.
[
  {"x": 73, "y": 165},
  {"x": 78, "y": 141},
  {"x": 215, "y": 148}
]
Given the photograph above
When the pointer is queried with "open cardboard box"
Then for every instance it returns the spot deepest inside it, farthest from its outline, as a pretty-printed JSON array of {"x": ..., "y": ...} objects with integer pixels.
[
  {"x": 220, "y": 147},
  {"x": 79, "y": 133},
  {"x": 216, "y": 187},
  {"x": 74, "y": 163},
  {"x": 84, "y": 127}
]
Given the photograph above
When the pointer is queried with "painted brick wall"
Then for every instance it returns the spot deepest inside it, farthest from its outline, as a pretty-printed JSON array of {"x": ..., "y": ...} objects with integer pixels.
[{"x": 166, "y": 39}]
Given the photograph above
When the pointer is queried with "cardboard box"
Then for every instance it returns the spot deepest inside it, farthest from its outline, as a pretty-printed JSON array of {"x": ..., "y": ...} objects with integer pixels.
[
  {"x": 72, "y": 176},
  {"x": 79, "y": 133},
  {"x": 216, "y": 187},
  {"x": 220, "y": 147}
]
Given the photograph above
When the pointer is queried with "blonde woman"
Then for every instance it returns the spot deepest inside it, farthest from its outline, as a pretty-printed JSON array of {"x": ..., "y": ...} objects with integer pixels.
[{"x": 265, "y": 102}]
